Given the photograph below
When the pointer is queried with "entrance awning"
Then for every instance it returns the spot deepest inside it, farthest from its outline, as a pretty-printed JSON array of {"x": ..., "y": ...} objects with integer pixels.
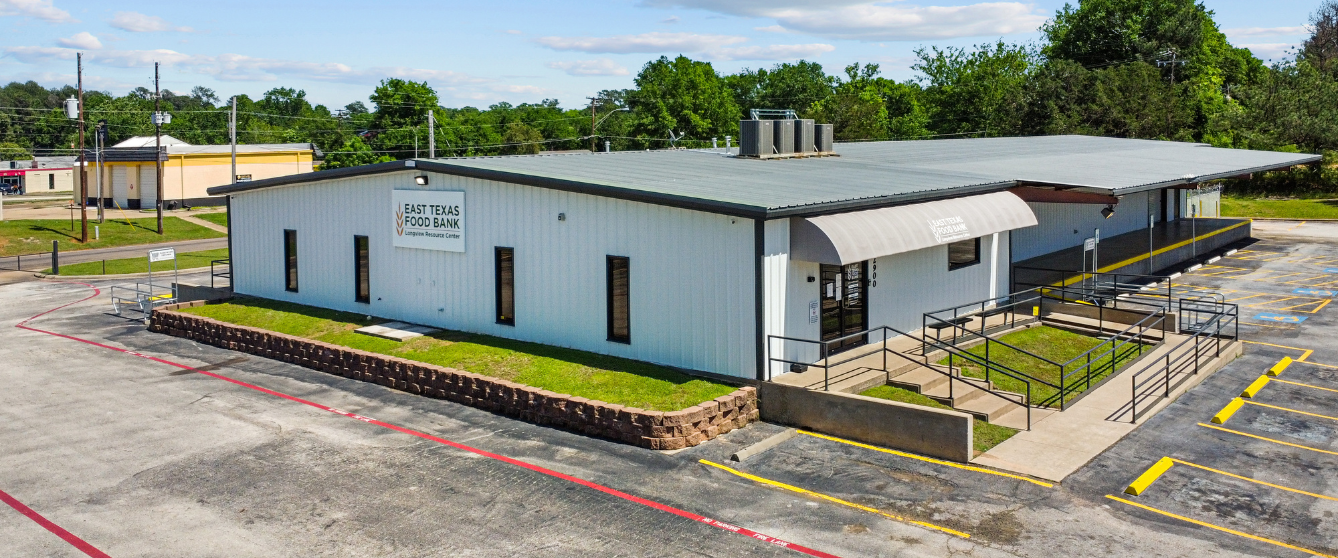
[{"x": 846, "y": 238}]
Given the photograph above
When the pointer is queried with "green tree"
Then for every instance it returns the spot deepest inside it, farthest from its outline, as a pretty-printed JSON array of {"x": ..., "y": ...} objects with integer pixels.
[
  {"x": 979, "y": 90},
  {"x": 785, "y": 86},
  {"x": 855, "y": 109},
  {"x": 10, "y": 151},
  {"x": 682, "y": 96},
  {"x": 353, "y": 153},
  {"x": 1320, "y": 50}
]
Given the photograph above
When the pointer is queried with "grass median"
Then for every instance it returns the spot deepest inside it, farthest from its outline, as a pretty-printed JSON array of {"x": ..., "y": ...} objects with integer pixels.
[
  {"x": 983, "y": 434},
  {"x": 185, "y": 260},
  {"x": 579, "y": 373},
  {"x": 218, "y": 218},
  {"x": 1056, "y": 345},
  {"x": 31, "y": 236},
  {"x": 1279, "y": 209}
]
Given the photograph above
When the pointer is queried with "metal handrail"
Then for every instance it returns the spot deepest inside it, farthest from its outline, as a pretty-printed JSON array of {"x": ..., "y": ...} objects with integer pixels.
[
  {"x": 213, "y": 274},
  {"x": 827, "y": 364},
  {"x": 1229, "y": 315}
]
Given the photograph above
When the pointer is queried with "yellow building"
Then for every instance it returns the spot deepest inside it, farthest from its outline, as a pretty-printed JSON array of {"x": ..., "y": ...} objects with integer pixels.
[{"x": 129, "y": 173}]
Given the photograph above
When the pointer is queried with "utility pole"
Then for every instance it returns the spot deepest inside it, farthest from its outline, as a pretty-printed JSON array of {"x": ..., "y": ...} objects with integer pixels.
[
  {"x": 232, "y": 137},
  {"x": 83, "y": 161},
  {"x": 592, "y": 123},
  {"x": 99, "y": 140},
  {"x": 158, "y": 147},
  {"x": 431, "y": 135}
]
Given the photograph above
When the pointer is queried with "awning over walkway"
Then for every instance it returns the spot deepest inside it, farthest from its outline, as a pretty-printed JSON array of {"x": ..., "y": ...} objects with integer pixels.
[{"x": 857, "y": 236}]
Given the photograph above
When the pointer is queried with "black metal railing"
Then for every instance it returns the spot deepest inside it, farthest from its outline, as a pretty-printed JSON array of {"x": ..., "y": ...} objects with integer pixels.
[
  {"x": 1186, "y": 359},
  {"x": 1096, "y": 362},
  {"x": 226, "y": 273},
  {"x": 825, "y": 362}
]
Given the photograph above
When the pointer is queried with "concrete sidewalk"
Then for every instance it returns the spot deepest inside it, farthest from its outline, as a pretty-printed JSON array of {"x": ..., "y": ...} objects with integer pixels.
[{"x": 1063, "y": 442}]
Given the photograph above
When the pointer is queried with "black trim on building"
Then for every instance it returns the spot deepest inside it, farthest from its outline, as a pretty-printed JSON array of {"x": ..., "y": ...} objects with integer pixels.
[
  {"x": 759, "y": 301},
  {"x": 504, "y": 270},
  {"x": 619, "y": 299},
  {"x": 290, "y": 260},
  {"x": 362, "y": 269}
]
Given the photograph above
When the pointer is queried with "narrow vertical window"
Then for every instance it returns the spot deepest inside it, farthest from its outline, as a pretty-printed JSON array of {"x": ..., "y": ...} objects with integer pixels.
[
  {"x": 506, "y": 286},
  {"x": 51, "y": 181},
  {"x": 620, "y": 320},
  {"x": 290, "y": 260},
  {"x": 362, "y": 273}
]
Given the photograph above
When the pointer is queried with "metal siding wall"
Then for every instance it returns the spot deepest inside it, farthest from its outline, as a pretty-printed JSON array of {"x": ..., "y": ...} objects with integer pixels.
[
  {"x": 148, "y": 186},
  {"x": 1057, "y": 221},
  {"x": 691, "y": 272},
  {"x": 120, "y": 185},
  {"x": 913, "y": 283}
]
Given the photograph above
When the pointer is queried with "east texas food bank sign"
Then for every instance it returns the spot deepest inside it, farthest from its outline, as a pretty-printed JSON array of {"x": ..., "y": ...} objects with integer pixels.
[{"x": 429, "y": 220}]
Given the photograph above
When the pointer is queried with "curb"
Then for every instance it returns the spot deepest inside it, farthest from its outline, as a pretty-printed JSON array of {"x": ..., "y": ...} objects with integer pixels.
[{"x": 113, "y": 276}]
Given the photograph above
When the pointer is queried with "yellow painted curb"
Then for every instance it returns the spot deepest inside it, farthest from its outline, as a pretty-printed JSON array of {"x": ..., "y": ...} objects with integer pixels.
[
  {"x": 1280, "y": 366},
  {"x": 1226, "y": 412},
  {"x": 1255, "y": 387},
  {"x": 1150, "y": 476}
]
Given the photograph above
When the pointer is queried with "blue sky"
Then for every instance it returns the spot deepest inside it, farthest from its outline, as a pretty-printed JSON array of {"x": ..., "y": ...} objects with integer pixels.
[{"x": 479, "y": 53}]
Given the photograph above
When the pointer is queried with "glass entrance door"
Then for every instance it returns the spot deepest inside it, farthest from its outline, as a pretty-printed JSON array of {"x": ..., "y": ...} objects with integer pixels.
[{"x": 844, "y": 309}]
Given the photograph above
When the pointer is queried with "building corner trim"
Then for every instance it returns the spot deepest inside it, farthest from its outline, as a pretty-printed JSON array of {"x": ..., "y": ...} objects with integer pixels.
[{"x": 759, "y": 247}]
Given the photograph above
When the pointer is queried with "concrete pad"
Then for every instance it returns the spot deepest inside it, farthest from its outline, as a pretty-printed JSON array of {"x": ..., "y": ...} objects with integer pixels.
[
  {"x": 764, "y": 445},
  {"x": 396, "y": 331}
]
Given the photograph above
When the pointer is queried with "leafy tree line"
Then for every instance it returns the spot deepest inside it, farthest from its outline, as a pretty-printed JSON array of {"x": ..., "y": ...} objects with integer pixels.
[{"x": 1157, "y": 69}]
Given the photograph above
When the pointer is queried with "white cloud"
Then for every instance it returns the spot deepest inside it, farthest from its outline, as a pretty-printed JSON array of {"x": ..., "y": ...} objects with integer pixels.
[
  {"x": 772, "y": 29},
  {"x": 39, "y": 9},
  {"x": 670, "y": 20},
  {"x": 1266, "y": 31},
  {"x": 513, "y": 32},
  {"x": 531, "y": 90},
  {"x": 644, "y": 43},
  {"x": 236, "y": 67},
  {"x": 1271, "y": 51},
  {"x": 772, "y": 52},
  {"x": 867, "y": 20},
  {"x": 136, "y": 22},
  {"x": 600, "y": 67},
  {"x": 84, "y": 40}
]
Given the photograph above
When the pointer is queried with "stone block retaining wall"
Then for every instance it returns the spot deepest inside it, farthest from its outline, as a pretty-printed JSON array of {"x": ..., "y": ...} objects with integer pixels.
[{"x": 658, "y": 430}]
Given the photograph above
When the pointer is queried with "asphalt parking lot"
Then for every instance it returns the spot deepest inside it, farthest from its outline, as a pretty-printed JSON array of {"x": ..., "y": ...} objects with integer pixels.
[{"x": 204, "y": 452}]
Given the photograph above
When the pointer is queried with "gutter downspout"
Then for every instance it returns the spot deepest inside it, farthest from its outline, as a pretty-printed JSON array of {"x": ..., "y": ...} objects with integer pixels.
[{"x": 232, "y": 258}]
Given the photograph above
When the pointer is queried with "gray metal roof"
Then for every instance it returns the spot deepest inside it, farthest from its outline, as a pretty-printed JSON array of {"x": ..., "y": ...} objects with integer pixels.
[{"x": 864, "y": 175}]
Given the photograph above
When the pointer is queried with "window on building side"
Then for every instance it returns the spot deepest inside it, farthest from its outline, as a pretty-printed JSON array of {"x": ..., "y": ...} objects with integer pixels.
[
  {"x": 506, "y": 285},
  {"x": 362, "y": 266},
  {"x": 290, "y": 260},
  {"x": 51, "y": 181},
  {"x": 620, "y": 320},
  {"x": 963, "y": 253}
]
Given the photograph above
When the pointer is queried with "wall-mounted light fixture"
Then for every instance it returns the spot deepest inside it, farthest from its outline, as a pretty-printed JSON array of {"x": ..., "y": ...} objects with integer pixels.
[
  {"x": 421, "y": 180},
  {"x": 1108, "y": 211},
  {"x": 811, "y": 279},
  {"x": 562, "y": 216}
]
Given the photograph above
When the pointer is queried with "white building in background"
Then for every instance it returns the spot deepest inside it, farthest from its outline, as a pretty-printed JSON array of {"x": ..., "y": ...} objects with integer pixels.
[{"x": 692, "y": 258}]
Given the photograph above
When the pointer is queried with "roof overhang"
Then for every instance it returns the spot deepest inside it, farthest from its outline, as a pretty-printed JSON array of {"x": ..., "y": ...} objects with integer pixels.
[
  {"x": 857, "y": 236},
  {"x": 1044, "y": 195}
]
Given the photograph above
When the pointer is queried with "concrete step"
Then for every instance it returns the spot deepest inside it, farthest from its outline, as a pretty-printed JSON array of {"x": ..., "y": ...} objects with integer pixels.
[
  {"x": 919, "y": 379},
  {"x": 1090, "y": 326},
  {"x": 969, "y": 399}
]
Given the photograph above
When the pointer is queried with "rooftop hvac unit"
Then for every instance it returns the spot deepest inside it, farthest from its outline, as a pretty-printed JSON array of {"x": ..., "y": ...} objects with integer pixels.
[
  {"x": 783, "y": 136},
  {"x": 755, "y": 138},
  {"x": 803, "y": 136},
  {"x": 822, "y": 137}
]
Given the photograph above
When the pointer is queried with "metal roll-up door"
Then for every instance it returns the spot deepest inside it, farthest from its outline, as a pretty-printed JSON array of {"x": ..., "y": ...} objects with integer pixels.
[
  {"x": 120, "y": 185},
  {"x": 148, "y": 187}
]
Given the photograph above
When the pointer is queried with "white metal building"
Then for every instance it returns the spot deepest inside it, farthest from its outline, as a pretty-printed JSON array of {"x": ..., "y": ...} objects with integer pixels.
[{"x": 690, "y": 258}]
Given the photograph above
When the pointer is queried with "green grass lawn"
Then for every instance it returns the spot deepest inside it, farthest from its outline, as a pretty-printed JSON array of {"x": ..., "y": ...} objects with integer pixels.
[
  {"x": 605, "y": 378},
  {"x": 983, "y": 434},
  {"x": 1055, "y": 344},
  {"x": 1280, "y": 209},
  {"x": 185, "y": 260},
  {"x": 220, "y": 218},
  {"x": 30, "y": 236}
]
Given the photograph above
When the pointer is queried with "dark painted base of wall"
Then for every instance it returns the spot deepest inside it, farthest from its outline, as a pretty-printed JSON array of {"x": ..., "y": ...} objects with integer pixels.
[
  {"x": 649, "y": 429},
  {"x": 109, "y": 203}
]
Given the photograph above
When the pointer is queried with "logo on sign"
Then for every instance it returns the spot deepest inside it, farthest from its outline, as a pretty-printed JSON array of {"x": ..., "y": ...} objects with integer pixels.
[
  {"x": 949, "y": 229},
  {"x": 429, "y": 220}
]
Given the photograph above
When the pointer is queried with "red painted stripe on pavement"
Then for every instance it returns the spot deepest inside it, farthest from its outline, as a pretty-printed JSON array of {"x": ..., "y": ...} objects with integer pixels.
[
  {"x": 49, "y": 526},
  {"x": 516, "y": 462}
]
